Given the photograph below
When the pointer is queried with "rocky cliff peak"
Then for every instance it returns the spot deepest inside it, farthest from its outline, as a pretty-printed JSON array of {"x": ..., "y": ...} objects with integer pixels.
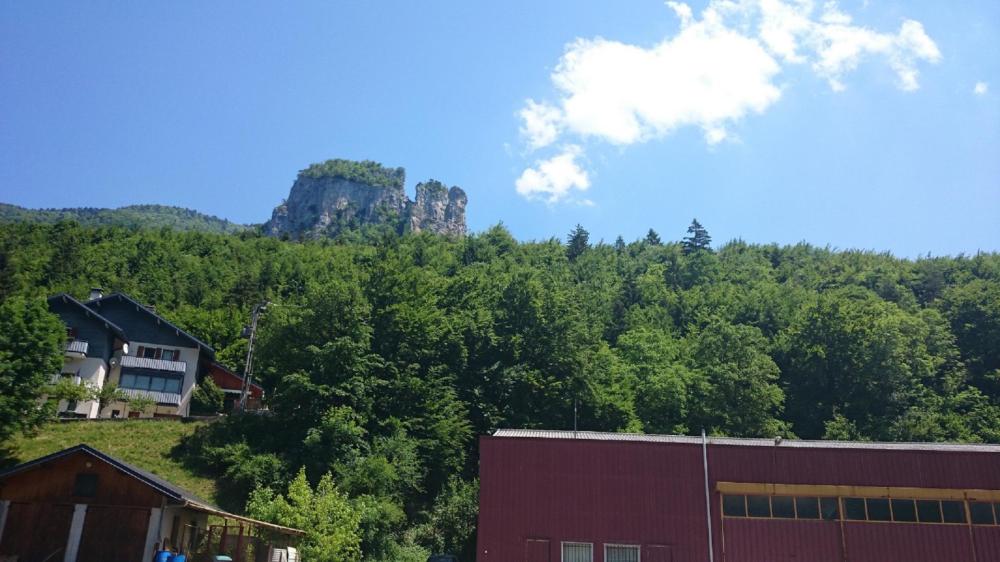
[{"x": 331, "y": 196}]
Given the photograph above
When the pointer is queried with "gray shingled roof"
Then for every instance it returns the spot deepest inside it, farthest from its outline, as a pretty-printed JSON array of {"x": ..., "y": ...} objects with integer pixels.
[
  {"x": 87, "y": 310},
  {"x": 144, "y": 308}
]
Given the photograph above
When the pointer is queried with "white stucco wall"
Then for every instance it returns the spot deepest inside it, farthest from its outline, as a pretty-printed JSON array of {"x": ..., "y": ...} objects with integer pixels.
[{"x": 92, "y": 371}]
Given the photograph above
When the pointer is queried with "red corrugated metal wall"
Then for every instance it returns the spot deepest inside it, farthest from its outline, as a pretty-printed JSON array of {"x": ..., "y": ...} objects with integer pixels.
[{"x": 652, "y": 494}]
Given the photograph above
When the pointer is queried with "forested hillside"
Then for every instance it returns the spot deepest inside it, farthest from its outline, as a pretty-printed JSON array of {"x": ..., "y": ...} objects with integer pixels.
[
  {"x": 132, "y": 216},
  {"x": 384, "y": 357}
]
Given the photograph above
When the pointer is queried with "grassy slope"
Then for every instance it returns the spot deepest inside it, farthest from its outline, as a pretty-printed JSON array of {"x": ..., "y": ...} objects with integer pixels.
[{"x": 145, "y": 444}]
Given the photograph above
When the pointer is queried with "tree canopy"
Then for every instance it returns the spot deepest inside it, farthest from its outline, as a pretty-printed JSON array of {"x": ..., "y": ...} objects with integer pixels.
[{"x": 385, "y": 356}]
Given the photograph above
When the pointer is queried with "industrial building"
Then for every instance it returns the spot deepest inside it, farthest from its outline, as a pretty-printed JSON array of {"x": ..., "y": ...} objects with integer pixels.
[{"x": 565, "y": 496}]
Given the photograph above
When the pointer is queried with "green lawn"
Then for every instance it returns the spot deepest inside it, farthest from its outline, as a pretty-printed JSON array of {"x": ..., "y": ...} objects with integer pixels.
[{"x": 142, "y": 443}]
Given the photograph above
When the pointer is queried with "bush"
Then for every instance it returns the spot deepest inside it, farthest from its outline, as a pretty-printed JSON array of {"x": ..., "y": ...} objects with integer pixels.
[{"x": 207, "y": 398}]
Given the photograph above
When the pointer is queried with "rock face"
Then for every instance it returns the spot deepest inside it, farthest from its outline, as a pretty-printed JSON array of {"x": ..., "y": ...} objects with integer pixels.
[
  {"x": 438, "y": 209},
  {"x": 336, "y": 195}
]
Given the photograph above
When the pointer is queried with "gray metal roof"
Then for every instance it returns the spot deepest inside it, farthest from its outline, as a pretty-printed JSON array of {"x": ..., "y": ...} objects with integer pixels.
[{"x": 744, "y": 442}]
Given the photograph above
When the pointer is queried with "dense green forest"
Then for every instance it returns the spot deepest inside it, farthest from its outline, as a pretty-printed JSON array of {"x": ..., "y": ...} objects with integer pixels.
[
  {"x": 132, "y": 216},
  {"x": 385, "y": 356}
]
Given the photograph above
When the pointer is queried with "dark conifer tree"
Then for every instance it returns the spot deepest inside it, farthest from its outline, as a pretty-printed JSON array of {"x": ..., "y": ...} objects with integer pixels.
[
  {"x": 619, "y": 245},
  {"x": 698, "y": 239},
  {"x": 652, "y": 238},
  {"x": 577, "y": 243}
]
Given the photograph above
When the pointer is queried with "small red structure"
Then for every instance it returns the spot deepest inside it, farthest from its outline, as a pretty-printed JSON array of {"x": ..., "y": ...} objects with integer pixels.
[
  {"x": 232, "y": 384},
  {"x": 563, "y": 496}
]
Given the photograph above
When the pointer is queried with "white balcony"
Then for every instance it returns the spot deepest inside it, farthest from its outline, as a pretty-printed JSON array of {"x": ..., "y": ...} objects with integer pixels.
[
  {"x": 154, "y": 364},
  {"x": 77, "y": 348}
]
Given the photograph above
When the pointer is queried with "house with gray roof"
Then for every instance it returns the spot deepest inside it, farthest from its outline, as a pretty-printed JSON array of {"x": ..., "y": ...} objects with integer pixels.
[{"x": 116, "y": 339}]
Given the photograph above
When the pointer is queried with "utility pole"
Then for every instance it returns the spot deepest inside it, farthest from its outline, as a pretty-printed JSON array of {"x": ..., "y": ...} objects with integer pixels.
[{"x": 251, "y": 332}]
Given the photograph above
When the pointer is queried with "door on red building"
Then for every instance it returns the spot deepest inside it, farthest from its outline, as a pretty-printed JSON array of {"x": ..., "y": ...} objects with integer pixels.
[
  {"x": 658, "y": 553},
  {"x": 536, "y": 550}
]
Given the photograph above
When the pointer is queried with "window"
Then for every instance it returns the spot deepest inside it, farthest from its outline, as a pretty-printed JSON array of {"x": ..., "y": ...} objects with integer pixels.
[
  {"x": 904, "y": 511},
  {"x": 170, "y": 354},
  {"x": 146, "y": 352},
  {"x": 85, "y": 485},
  {"x": 807, "y": 508},
  {"x": 621, "y": 553},
  {"x": 830, "y": 508},
  {"x": 734, "y": 506},
  {"x": 878, "y": 509},
  {"x": 929, "y": 511},
  {"x": 854, "y": 509},
  {"x": 150, "y": 382},
  {"x": 758, "y": 506},
  {"x": 577, "y": 552},
  {"x": 953, "y": 511},
  {"x": 982, "y": 513},
  {"x": 783, "y": 507}
]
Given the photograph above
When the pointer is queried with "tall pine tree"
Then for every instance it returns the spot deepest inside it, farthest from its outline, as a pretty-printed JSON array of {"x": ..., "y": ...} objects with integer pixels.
[
  {"x": 698, "y": 239},
  {"x": 578, "y": 243}
]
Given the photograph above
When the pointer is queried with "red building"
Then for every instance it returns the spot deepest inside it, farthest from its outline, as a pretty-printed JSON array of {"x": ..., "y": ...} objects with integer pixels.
[
  {"x": 563, "y": 496},
  {"x": 232, "y": 385}
]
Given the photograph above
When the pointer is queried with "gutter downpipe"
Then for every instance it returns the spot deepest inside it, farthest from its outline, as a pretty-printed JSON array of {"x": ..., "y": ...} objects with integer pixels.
[{"x": 708, "y": 499}]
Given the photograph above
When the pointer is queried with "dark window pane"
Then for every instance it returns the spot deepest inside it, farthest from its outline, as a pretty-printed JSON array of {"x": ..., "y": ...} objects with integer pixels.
[
  {"x": 734, "y": 506},
  {"x": 904, "y": 510},
  {"x": 173, "y": 385},
  {"x": 830, "y": 508},
  {"x": 854, "y": 509},
  {"x": 85, "y": 485},
  {"x": 783, "y": 507},
  {"x": 807, "y": 508},
  {"x": 982, "y": 513},
  {"x": 996, "y": 511},
  {"x": 878, "y": 509},
  {"x": 758, "y": 506},
  {"x": 954, "y": 512},
  {"x": 929, "y": 511}
]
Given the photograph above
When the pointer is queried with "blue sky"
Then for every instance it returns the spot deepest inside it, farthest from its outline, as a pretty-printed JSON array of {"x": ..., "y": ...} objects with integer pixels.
[{"x": 869, "y": 125}]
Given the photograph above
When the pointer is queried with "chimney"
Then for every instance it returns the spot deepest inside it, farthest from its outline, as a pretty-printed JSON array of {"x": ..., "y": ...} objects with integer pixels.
[{"x": 96, "y": 293}]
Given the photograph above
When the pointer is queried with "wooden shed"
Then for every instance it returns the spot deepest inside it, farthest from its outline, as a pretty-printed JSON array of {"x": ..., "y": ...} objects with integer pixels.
[{"x": 82, "y": 504}]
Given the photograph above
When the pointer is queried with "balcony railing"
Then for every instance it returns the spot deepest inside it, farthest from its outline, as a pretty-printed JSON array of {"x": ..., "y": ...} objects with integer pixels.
[
  {"x": 77, "y": 347},
  {"x": 154, "y": 364}
]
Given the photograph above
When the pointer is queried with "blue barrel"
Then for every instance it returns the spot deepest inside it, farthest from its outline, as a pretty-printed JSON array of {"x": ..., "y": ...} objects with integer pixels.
[
  {"x": 178, "y": 558},
  {"x": 162, "y": 556}
]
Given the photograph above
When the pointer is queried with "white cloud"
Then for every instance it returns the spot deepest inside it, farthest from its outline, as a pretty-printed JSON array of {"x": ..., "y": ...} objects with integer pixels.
[
  {"x": 717, "y": 69},
  {"x": 980, "y": 88},
  {"x": 554, "y": 179},
  {"x": 540, "y": 123}
]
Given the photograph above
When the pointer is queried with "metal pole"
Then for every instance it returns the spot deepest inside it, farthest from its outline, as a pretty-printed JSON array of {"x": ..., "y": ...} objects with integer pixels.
[
  {"x": 248, "y": 368},
  {"x": 574, "y": 415},
  {"x": 708, "y": 499}
]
